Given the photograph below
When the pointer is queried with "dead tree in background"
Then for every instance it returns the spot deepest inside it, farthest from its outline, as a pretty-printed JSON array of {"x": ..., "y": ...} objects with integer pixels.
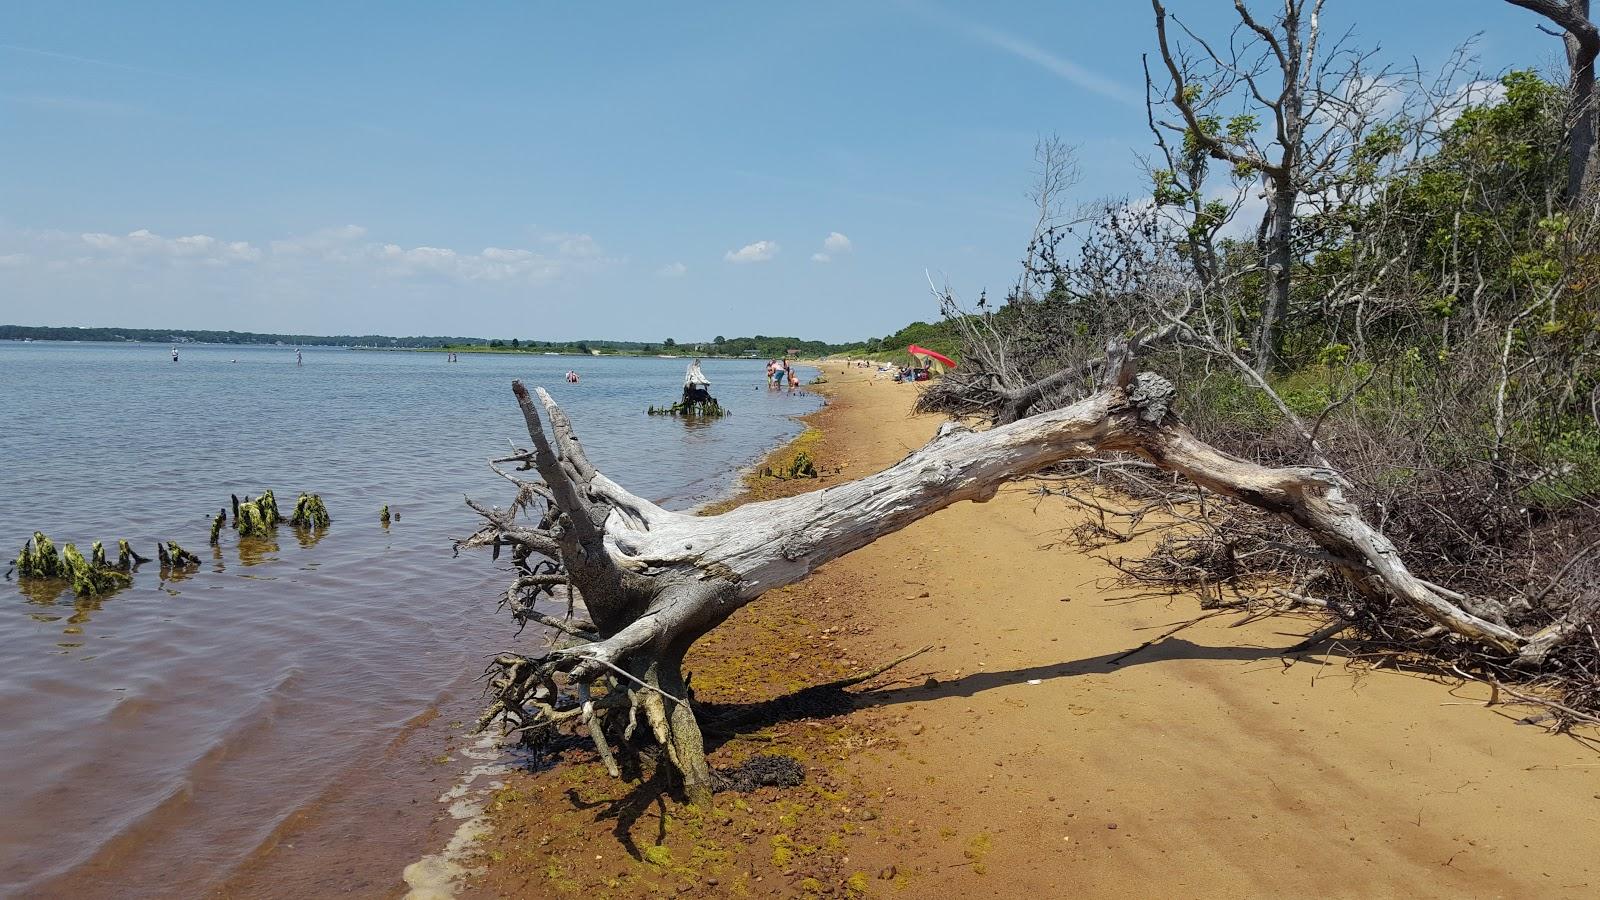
[
  {"x": 1582, "y": 41},
  {"x": 1272, "y": 103}
]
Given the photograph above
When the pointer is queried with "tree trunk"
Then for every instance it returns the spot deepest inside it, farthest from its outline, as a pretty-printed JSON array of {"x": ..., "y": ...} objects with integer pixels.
[
  {"x": 1580, "y": 112},
  {"x": 1582, "y": 41},
  {"x": 1267, "y": 349},
  {"x": 654, "y": 581}
]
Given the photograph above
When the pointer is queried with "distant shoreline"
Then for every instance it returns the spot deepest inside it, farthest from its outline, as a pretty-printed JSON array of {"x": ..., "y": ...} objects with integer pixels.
[{"x": 761, "y": 346}]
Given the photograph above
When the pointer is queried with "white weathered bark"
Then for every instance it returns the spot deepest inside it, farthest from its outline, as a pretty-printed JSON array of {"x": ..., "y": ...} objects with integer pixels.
[
  {"x": 654, "y": 581},
  {"x": 765, "y": 545}
]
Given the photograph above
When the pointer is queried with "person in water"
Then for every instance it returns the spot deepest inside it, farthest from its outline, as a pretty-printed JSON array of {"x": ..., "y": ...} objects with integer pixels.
[
  {"x": 174, "y": 354},
  {"x": 298, "y": 359},
  {"x": 696, "y": 386}
]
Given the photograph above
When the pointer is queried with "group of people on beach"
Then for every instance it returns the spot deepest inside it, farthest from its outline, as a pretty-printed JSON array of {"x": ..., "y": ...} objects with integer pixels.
[{"x": 779, "y": 372}]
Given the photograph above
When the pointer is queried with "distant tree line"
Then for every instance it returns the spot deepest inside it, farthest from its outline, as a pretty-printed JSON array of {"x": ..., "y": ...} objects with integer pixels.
[
  {"x": 759, "y": 345},
  {"x": 188, "y": 335}
]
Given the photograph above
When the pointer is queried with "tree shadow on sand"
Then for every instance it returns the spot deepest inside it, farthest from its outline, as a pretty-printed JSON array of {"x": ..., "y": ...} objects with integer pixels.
[{"x": 725, "y": 722}]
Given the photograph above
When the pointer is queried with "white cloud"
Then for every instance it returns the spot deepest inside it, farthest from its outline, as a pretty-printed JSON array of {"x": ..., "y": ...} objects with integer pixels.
[
  {"x": 307, "y": 257},
  {"x": 672, "y": 270},
  {"x": 576, "y": 246},
  {"x": 760, "y": 251},
  {"x": 832, "y": 245},
  {"x": 145, "y": 244},
  {"x": 491, "y": 264}
]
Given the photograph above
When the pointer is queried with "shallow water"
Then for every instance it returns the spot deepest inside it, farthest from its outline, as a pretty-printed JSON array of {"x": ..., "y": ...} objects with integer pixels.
[{"x": 164, "y": 732}]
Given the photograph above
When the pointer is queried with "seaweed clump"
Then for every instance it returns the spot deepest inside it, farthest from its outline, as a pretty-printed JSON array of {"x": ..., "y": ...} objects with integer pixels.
[
  {"x": 802, "y": 466},
  {"x": 762, "y": 770}
]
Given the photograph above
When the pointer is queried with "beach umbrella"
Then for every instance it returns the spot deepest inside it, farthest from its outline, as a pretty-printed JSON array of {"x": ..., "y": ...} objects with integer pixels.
[{"x": 931, "y": 358}]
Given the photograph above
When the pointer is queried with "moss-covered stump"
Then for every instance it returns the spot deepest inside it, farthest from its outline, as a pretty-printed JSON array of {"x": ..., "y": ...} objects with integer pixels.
[
  {"x": 256, "y": 518},
  {"x": 91, "y": 580},
  {"x": 39, "y": 560},
  {"x": 126, "y": 558},
  {"x": 173, "y": 556},
  {"x": 311, "y": 514}
]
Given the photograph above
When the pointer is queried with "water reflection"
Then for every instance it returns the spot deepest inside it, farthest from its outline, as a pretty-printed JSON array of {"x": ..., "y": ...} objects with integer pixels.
[
  {"x": 41, "y": 591},
  {"x": 308, "y": 537},
  {"x": 48, "y": 592},
  {"x": 253, "y": 551}
]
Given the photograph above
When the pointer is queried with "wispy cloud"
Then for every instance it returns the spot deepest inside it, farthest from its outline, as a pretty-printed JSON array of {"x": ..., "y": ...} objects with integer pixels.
[
  {"x": 71, "y": 104},
  {"x": 672, "y": 270},
  {"x": 1028, "y": 51},
  {"x": 760, "y": 251},
  {"x": 68, "y": 57}
]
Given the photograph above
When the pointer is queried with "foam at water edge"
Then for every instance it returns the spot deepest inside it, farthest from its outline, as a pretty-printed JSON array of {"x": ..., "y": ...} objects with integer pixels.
[{"x": 438, "y": 876}]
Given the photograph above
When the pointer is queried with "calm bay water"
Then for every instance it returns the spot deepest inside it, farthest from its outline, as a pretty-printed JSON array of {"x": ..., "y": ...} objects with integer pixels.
[{"x": 167, "y": 730}]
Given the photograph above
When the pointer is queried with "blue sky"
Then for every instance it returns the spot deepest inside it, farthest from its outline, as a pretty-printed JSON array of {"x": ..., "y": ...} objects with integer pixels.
[{"x": 565, "y": 170}]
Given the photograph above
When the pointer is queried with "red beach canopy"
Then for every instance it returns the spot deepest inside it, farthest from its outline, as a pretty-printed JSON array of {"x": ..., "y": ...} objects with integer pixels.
[{"x": 925, "y": 353}]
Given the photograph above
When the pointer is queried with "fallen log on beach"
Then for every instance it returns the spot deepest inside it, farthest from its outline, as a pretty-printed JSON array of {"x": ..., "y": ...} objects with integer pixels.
[{"x": 653, "y": 581}]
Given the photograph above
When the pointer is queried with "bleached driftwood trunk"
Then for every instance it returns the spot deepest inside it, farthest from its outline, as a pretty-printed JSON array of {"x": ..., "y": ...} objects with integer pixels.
[{"x": 654, "y": 581}]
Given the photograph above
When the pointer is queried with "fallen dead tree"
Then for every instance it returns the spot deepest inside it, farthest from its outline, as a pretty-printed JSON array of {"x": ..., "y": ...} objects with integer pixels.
[{"x": 653, "y": 581}]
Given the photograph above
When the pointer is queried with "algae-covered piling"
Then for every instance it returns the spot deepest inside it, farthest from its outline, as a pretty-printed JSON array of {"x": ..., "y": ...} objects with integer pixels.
[
  {"x": 310, "y": 513},
  {"x": 256, "y": 518},
  {"x": 39, "y": 559},
  {"x": 173, "y": 556},
  {"x": 90, "y": 580}
]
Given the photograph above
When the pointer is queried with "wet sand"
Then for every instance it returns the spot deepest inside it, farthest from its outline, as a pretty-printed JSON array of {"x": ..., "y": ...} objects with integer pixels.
[{"x": 1036, "y": 764}]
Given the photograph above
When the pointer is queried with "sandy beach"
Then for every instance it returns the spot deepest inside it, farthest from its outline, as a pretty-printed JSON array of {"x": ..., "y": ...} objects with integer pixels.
[{"x": 1029, "y": 754}]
